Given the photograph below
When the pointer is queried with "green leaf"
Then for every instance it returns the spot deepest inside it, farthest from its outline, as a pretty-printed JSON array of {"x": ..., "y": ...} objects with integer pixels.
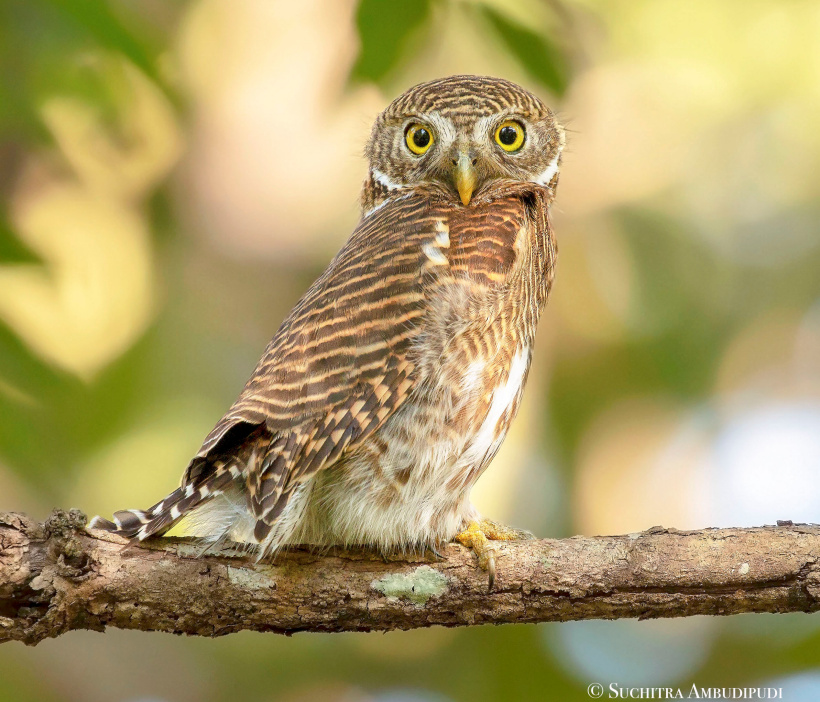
[
  {"x": 56, "y": 47},
  {"x": 12, "y": 250},
  {"x": 385, "y": 27},
  {"x": 108, "y": 30},
  {"x": 536, "y": 53}
]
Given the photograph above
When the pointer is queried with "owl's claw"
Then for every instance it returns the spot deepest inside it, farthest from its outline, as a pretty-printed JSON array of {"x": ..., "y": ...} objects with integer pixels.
[
  {"x": 436, "y": 554},
  {"x": 490, "y": 569},
  {"x": 477, "y": 536}
]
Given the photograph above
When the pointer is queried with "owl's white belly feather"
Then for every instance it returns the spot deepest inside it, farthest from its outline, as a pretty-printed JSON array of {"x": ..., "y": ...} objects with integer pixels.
[
  {"x": 488, "y": 440},
  {"x": 407, "y": 488},
  {"x": 412, "y": 488}
]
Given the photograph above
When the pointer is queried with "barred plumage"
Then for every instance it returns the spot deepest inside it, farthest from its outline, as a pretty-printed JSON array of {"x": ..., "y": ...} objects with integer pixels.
[{"x": 391, "y": 385}]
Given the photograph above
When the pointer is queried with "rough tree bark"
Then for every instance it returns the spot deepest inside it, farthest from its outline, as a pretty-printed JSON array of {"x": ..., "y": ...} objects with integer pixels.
[{"x": 56, "y": 576}]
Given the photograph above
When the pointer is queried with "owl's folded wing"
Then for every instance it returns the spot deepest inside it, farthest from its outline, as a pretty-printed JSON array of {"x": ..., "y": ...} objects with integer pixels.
[{"x": 338, "y": 367}]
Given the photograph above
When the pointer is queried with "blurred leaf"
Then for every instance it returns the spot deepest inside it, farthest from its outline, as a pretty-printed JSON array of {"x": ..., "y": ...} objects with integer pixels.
[
  {"x": 97, "y": 18},
  {"x": 23, "y": 29},
  {"x": 12, "y": 250},
  {"x": 535, "y": 52},
  {"x": 51, "y": 419},
  {"x": 27, "y": 388},
  {"x": 385, "y": 27},
  {"x": 683, "y": 332},
  {"x": 50, "y": 47}
]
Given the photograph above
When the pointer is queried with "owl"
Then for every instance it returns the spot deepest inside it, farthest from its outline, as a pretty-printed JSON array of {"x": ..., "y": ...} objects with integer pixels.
[{"x": 391, "y": 385}]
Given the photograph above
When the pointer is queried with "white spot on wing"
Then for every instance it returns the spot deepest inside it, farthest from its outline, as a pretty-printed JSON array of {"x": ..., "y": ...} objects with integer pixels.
[
  {"x": 434, "y": 255},
  {"x": 443, "y": 235}
]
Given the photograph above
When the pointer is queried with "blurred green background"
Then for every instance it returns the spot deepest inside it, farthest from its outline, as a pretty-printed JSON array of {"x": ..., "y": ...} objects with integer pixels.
[{"x": 173, "y": 175}]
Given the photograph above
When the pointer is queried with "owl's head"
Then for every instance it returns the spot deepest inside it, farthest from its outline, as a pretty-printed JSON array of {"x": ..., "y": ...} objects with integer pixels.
[{"x": 461, "y": 133}]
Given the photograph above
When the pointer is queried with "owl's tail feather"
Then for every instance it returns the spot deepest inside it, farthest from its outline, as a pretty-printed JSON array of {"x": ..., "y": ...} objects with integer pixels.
[
  {"x": 140, "y": 524},
  {"x": 206, "y": 477}
]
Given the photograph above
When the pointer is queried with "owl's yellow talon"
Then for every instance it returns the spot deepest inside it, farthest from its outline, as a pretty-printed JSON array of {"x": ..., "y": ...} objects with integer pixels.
[{"x": 477, "y": 537}]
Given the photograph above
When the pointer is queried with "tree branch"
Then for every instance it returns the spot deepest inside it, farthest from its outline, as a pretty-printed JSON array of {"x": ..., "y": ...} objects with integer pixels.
[{"x": 56, "y": 576}]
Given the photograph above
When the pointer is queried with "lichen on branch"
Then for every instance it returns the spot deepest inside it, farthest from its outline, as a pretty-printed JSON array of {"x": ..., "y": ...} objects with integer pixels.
[{"x": 57, "y": 576}]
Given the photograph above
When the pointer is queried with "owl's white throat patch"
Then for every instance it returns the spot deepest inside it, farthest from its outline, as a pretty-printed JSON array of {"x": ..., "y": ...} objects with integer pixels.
[
  {"x": 385, "y": 180},
  {"x": 381, "y": 197},
  {"x": 549, "y": 172}
]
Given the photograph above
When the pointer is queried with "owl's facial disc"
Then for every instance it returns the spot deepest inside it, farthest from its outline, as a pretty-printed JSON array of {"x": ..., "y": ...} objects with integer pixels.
[
  {"x": 467, "y": 152},
  {"x": 461, "y": 134},
  {"x": 456, "y": 160}
]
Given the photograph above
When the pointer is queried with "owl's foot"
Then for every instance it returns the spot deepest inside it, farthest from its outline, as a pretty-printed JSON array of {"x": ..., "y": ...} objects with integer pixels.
[
  {"x": 435, "y": 554},
  {"x": 478, "y": 535}
]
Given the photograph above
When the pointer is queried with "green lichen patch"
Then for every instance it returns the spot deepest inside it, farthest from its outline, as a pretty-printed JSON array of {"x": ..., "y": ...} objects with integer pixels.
[
  {"x": 186, "y": 550},
  {"x": 418, "y": 587},
  {"x": 257, "y": 579}
]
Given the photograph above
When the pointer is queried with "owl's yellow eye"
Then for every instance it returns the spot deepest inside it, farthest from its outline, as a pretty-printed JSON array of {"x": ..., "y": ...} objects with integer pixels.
[
  {"x": 510, "y": 135},
  {"x": 419, "y": 138}
]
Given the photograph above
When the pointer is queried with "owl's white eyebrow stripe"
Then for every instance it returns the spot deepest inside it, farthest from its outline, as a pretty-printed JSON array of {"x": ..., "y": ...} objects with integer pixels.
[
  {"x": 482, "y": 126},
  {"x": 444, "y": 128}
]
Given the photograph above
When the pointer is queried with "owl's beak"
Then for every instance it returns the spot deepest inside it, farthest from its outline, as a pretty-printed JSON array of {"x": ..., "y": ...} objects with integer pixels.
[{"x": 464, "y": 177}]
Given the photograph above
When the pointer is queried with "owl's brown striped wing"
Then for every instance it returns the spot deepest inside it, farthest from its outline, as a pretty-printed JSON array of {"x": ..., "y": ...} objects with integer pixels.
[{"x": 338, "y": 366}]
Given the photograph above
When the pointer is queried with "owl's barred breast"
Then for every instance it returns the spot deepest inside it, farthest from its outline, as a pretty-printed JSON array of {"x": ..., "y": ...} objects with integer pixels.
[{"x": 487, "y": 271}]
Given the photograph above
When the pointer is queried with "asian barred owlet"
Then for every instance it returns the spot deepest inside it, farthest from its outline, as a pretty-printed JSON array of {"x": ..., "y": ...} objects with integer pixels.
[{"x": 389, "y": 388}]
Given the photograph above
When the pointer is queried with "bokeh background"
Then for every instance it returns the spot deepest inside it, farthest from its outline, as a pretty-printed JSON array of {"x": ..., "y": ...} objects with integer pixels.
[{"x": 173, "y": 175}]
